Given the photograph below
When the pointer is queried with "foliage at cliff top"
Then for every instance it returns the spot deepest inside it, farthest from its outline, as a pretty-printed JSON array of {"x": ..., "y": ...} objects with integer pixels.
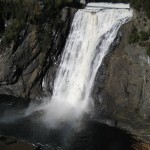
[
  {"x": 38, "y": 12},
  {"x": 16, "y": 14},
  {"x": 148, "y": 51},
  {"x": 137, "y": 4}
]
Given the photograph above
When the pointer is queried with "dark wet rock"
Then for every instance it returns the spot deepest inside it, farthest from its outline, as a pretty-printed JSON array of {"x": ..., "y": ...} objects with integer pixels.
[
  {"x": 23, "y": 67},
  {"x": 39, "y": 147},
  {"x": 2, "y": 138},
  {"x": 11, "y": 143},
  {"x": 124, "y": 90}
]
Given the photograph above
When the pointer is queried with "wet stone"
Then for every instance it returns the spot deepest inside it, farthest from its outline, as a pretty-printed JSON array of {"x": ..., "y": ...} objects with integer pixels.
[
  {"x": 2, "y": 138},
  {"x": 10, "y": 141}
]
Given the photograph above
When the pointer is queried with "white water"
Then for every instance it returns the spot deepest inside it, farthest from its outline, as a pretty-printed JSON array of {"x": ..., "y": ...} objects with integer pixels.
[
  {"x": 95, "y": 7},
  {"x": 108, "y": 5},
  {"x": 90, "y": 39}
]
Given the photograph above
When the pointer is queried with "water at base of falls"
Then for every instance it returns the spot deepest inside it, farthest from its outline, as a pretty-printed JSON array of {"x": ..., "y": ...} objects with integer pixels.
[
  {"x": 92, "y": 135},
  {"x": 90, "y": 39}
]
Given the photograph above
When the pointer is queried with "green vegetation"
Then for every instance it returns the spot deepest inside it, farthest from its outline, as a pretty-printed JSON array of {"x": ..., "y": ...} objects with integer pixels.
[
  {"x": 136, "y": 4},
  {"x": 134, "y": 37},
  {"x": 149, "y": 32},
  {"x": 146, "y": 7},
  {"x": 13, "y": 30},
  {"x": 144, "y": 36},
  {"x": 141, "y": 5},
  {"x": 22, "y": 13},
  {"x": 148, "y": 51}
]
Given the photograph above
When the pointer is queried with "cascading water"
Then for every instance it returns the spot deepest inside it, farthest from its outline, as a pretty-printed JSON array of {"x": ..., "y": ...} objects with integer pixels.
[{"x": 92, "y": 33}]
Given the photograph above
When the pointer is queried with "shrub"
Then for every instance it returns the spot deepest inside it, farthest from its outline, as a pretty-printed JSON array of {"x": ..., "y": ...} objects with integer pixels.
[
  {"x": 148, "y": 51},
  {"x": 146, "y": 7},
  {"x": 149, "y": 32},
  {"x": 134, "y": 37},
  {"x": 2, "y": 24},
  {"x": 144, "y": 36},
  {"x": 12, "y": 31}
]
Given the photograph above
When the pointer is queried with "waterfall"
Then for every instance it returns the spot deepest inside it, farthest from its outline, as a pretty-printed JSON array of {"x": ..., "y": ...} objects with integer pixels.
[{"x": 91, "y": 35}]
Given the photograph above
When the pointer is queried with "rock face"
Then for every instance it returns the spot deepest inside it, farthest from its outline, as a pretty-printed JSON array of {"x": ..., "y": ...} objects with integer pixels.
[
  {"x": 124, "y": 92},
  {"x": 23, "y": 66}
]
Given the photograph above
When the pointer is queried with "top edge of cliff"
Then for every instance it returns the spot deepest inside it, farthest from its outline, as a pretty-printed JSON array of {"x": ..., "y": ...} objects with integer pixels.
[{"x": 107, "y": 5}]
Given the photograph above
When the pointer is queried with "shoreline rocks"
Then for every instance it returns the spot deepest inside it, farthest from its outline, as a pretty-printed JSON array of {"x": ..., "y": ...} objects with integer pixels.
[{"x": 11, "y": 143}]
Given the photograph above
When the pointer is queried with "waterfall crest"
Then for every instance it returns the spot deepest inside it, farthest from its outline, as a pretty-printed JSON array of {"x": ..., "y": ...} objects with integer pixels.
[{"x": 90, "y": 39}]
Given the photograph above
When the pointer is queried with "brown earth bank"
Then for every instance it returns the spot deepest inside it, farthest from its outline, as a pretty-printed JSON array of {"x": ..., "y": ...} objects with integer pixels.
[
  {"x": 11, "y": 143},
  {"x": 141, "y": 146}
]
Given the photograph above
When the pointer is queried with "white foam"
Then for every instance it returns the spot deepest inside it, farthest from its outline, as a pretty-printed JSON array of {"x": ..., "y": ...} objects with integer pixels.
[
  {"x": 107, "y": 5},
  {"x": 89, "y": 41}
]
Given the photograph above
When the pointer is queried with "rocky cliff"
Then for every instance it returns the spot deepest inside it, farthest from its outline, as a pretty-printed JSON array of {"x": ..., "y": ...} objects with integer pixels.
[
  {"x": 24, "y": 64},
  {"x": 125, "y": 79}
]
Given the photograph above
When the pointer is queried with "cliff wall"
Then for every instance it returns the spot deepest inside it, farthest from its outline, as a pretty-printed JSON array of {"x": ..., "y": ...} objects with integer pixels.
[{"x": 124, "y": 79}]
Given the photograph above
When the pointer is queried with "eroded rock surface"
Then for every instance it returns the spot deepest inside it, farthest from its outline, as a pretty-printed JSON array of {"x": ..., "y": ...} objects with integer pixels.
[
  {"x": 124, "y": 92},
  {"x": 24, "y": 65}
]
